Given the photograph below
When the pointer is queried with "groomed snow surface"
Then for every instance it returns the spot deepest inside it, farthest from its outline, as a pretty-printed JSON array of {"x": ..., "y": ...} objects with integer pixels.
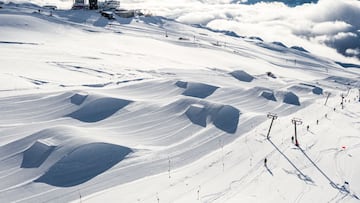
[{"x": 94, "y": 110}]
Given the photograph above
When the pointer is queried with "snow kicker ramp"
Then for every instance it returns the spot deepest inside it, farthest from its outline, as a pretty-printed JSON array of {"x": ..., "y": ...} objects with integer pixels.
[
  {"x": 224, "y": 117},
  {"x": 290, "y": 98},
  {"x": 36, "y": 154},
  {"x": 99, "y": 109},
  {"x": 242, "y": 76},
  {"x": 60, "y": 156},
  {"x": 269, "y": 95},
  {"x": 78, "y": 98},
  {"x": 199, "y": 90},
  {"x": 84, "y": 163}
]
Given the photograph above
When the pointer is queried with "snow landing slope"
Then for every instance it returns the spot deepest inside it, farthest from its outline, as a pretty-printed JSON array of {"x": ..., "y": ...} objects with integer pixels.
[{"x": 101, "y": 110}]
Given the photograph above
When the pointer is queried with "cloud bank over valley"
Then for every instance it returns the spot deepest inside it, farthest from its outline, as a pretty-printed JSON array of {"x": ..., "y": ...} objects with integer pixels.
[{"x": 327, "y": 27}]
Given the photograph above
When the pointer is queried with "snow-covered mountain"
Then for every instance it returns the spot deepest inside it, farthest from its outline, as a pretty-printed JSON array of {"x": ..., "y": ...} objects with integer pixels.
[
  {"x": 324, "y": 26},
  {"x": 149, "y": 109}
]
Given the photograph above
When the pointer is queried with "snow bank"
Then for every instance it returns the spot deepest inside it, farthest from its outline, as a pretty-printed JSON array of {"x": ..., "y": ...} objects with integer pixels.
[
  {"x": 99, "y": 109},
  {"x": 242, "y": 76},
  {"x": 84, "y": 163}
]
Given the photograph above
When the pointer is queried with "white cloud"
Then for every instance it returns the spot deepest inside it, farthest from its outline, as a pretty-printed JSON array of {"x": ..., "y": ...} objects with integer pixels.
[
  {"x": 344, "y": 35},
  {"x": 353, "y": 52},
  {"x": 330, "y": 28},
  {"x": 196, "y": 18}
]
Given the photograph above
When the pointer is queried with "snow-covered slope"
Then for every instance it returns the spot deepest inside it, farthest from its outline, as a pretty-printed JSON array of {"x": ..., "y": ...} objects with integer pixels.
[{"x": 149, "y": 109}]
